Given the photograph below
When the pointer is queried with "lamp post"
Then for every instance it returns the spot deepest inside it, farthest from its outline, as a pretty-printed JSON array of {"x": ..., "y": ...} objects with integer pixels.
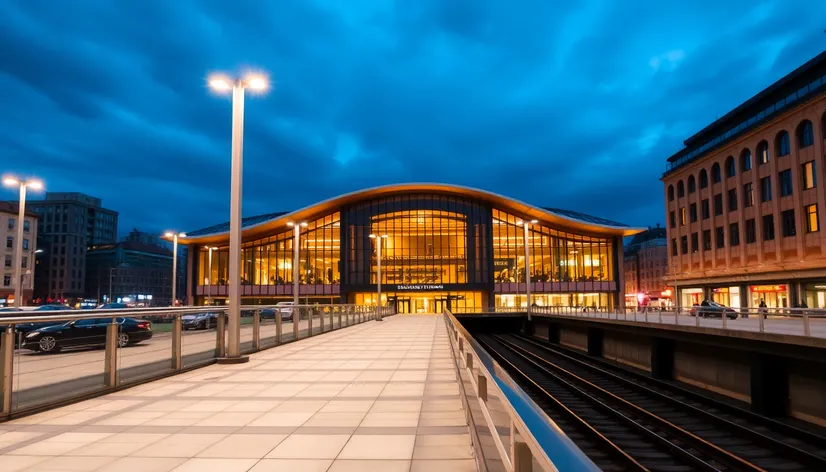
[
  {"x": 209, "y": 275},
  {"x": 297, "y": 230},
  {"x": 224, "y": 84},
  {"x": 174, "y": 236},
  {"x": 379, "y": 241},
  {"x": 21, "y": 215},
  {"x": 525, "y": 224}
]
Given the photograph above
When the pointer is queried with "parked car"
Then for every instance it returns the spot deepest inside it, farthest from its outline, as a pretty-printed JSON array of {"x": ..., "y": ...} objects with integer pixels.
[
  {"x": 199, "y": 321},
  {"x": 112, "y": 306},
  {"x": 712, "y": 309},
  {"x": 54, "y": 307},
  {"x": 86, "y": 332}
]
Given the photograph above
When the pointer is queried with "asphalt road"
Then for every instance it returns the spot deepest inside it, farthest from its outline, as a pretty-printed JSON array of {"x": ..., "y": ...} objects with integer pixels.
[{"x": 43, "y": 378}]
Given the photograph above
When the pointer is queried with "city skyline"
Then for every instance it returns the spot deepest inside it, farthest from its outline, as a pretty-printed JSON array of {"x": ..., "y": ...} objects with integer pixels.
[{"x": 526, "y": 102}]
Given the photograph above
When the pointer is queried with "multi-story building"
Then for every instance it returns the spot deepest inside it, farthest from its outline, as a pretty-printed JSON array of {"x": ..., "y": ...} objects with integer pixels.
[
  {"x": 131, "y": 272},
  {"x": 646, "y": 266},
  {"x": 70, "y": 222},
  {"x": 745, "y": 199},
  {"x": 9, "y": 213}
]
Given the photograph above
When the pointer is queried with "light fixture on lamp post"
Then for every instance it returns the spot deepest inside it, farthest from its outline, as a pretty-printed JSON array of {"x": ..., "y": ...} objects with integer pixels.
[
  {"x": 174, "y": 236},
  {"x": 21, "y": 216},
  {"x": 223, "y": 84},
  {"x": 525, "y": 224},
  {"x": 209, "y": 275},
  {"x": 379, "y": 241}
]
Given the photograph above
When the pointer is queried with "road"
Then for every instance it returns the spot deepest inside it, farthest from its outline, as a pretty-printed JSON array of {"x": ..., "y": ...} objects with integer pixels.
[{"x": 43, "y": 378}]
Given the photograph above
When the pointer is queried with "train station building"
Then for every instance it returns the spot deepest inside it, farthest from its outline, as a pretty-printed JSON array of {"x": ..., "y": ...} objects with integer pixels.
[{"x": 446, "y": 246}]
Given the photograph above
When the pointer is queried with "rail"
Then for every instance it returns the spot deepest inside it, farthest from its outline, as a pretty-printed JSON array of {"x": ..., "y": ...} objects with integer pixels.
[
  {"x": 806, "y": 322},
  {"x": 523, "y": 436},
  {"x": 50, "y": 358}
]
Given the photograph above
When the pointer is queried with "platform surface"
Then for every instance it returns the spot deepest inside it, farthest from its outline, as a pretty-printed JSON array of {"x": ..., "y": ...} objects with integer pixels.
[{"x": 379, "y": 396}]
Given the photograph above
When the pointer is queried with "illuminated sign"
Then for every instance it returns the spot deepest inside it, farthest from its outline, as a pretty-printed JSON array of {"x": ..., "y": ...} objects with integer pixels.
[
  {"x": 418, "y": 287},
  {"x": 768, "y": 288}
]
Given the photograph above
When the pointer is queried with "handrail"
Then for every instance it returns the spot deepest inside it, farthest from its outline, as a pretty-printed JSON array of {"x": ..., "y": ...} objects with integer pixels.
[{"x": 543, "y": 441}]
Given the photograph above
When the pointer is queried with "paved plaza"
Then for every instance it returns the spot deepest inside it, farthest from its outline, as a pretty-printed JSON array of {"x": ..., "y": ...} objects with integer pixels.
[{"x": 377, "y": 396}]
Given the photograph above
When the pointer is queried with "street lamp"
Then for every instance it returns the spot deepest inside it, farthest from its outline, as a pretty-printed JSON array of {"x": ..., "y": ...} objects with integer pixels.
[
  {"x": 21, "y": 215},
  {"x": 297, "y": 229},
  {"x": 222, "y": 84},
  {"x": 209, "y": 275},
  {"x": 379, "y": 240},
  {"x": 525, "y": 225},
  {"x": 174, "y": 236}
]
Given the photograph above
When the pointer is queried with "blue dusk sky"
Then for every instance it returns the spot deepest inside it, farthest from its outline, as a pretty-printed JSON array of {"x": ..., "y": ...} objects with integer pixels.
[{"x": 573, "y": 104}]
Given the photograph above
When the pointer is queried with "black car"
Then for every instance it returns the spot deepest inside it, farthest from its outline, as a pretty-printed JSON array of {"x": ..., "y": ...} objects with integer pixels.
[
  {"x": 199, "y": 321},
  {"x": 112, "y": 306},
  {"x": 87, "y": 332},
  {"x": 711, "y": 309}
]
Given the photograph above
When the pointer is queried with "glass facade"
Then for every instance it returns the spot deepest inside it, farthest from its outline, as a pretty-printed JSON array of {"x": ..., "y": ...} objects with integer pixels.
[{"x": 439, "y": 250}]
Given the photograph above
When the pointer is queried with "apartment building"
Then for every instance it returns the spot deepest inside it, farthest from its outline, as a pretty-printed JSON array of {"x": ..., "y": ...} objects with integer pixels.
[{"x": 9, "y": 221}]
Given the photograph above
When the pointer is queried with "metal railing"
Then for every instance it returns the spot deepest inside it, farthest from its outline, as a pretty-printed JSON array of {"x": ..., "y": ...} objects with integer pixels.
[
  {"x": 503, "y": 411},
  {"x": 49, "y": 358},
  {"x": 807, "y": 322}
]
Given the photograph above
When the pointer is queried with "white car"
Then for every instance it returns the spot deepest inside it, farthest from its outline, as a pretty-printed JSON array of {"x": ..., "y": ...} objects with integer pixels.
[{"x": 286, "y": 310}]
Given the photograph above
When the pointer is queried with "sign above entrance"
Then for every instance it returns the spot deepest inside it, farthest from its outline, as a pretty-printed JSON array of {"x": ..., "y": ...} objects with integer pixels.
[
  {"x": 768, "y": 288},
  {"x": 417, "y": 287}
]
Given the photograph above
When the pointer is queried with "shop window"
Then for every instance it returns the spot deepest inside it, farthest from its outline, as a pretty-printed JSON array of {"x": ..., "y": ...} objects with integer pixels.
[
  {"x": 692, "y": 210},
  {"x": 787, "y": 220},
  {"x": 812, "y": 223},
  {"x": 748, "y": 195},
  {"x": 707, "y": 240},
  {"x": 705, "y": 211},
  {"x": 731, "y": 169},
  {"x": 751, "y": 231},
  {"x": 784, "y": 146},
  {"x": 734, "y": 234},
  {"x": 718, "y": 204},
  {"x": 785, "y": 178},
  {"x": 805, "y": 134},
  {"x": 720, "y": 237},
  {"x": 808, "y": 175},
  {"x": 716, "y": 173},
  {"x": 768, "y": 227},
  {"x": 745, "y": 160},
  {"x": 765, "y": 189},
  {"x": 763, "y": 153},
  {"x": 732, "y": 199}
]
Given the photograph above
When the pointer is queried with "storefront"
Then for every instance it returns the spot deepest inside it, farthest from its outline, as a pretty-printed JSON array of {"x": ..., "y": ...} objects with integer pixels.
[
  {"x": 775, "y": 296},
  {"x": 814, "y": 295},
  {"x": 595, "y": 301},
  {"x": 691, "y": 296},
  {"x": 727, "y": 296}
]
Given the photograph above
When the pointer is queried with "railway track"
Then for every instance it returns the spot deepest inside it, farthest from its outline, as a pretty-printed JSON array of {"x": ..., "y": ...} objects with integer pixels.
[{"x": 623, "y": 423}]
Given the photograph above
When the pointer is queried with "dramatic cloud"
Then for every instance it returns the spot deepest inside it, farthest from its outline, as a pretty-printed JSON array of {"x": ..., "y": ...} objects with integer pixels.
[{"x": 570, "y": 104}]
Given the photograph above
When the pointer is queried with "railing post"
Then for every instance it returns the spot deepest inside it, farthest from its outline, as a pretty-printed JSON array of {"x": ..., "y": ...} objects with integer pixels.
[
  {"x": 256, "y": 330},
  {"x": 724, "y": 317},
  {"x": 697, "y": 318},
  {"x": 6, "y": 369},
  {"x": 321, "y": 321},
  {"x": 482, "y": 386},
  {"x": 332, "y": 310},
  {"x": 110, "y": 365},
  {"x": 340, "y": 311},
  {"x": 310, "y": 312},
  {"x": 461, "y": 344},
  {"x": 761, "y": 322},
  {"x": 220, "y": 334},
  {"x": 806, "y": 331},
  {"x": 520, "y": 453},
  {"x": 296, "y": 319},
  {"x": 177, "y": 342},
  {"x": 278, "y": 327},
  {"x": 469, "y": 360}
]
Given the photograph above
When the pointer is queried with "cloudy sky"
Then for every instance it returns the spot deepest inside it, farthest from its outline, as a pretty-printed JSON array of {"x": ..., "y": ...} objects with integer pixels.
[{"x": 572, "y": 104}]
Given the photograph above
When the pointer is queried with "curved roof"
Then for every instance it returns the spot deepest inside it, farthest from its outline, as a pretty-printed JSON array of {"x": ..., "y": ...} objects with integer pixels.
[{"x": 259, "y": 226}]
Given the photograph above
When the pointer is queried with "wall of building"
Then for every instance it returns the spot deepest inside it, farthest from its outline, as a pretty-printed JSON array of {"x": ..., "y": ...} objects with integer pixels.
[{"x": 9, "y": 223}]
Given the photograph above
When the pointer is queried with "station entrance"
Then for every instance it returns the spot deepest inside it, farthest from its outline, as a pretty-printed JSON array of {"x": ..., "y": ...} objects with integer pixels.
[{"x": 425, "y": 302}]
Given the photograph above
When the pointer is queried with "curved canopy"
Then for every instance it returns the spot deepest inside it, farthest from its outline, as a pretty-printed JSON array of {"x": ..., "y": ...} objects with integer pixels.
[{"x": 259, "y": 226}]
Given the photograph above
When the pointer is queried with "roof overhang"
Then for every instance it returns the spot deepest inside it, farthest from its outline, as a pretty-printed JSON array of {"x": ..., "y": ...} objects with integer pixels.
[{"x": 518, "y": 208}]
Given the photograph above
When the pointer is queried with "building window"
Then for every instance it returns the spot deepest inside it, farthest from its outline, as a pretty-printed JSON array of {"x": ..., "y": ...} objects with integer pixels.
[
  {"x": 8, "y": 261},
  {"x": 748, "y": 195},
  {"x": 808, "y": 172},
  {"x": 785, "y": 183},
  {"x": 11, "y": 223},
  {"x": 692, "y": 212},
  {"x": 680, "y": 189},
  {"x": 718, "y": 204},
  {"x": 683, "y": 219},
  {"x": 805, "y": 134},
  {"x": 763, "y": 153},
  {"x": 768, "y": 227},
  {"x": 692, "y": 184},
  {"x": 704, "y": 209},
  {"x": 703, "y": 178},
  {"x": 7, "y": 280},
  {"x": 732, "y": 199},
  {"x": 766, "y": 189},
  {"x": 745, "y": 160},
  {"x": 25, "y": 244},
  {"x": 26, "y": 226},
  {"x": 784, "y": 146},
  {"x": 731, "y": 169},
  {"x": 787, "y": 220},
  {"x": 734, "y": 234},
  {"x": 812, "y": 223},
  {"x": 670, "y": 193},
  {"x": 751, "y": 231},
  {"x": 9, "y": 242},
  {"x": 672, "y": 219},
  {"x": 674, "y": 247},
  {"x": 707, "y": 240},
  {"x": 695, "y": 242},
  {"x": 24, "y": 262},
  {"x": 684, "y": 244},
  {"x": 716, "y": 174}
]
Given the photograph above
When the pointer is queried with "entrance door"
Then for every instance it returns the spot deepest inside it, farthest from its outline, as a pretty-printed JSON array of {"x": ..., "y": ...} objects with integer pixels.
[{"x": 403, "y": 305}]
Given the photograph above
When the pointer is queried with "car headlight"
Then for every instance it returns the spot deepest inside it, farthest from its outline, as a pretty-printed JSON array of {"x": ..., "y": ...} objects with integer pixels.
[{"x": 33, "y": 334}]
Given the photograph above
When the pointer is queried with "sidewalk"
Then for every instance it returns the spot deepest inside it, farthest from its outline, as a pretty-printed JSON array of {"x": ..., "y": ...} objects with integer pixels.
[{"x": 379, "y": 396}]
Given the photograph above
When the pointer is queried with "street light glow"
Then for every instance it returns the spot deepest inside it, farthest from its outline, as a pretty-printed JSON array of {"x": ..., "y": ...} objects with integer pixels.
[
  {"x": 181, "y": 235},
  {"x": 533, "y": 222},
  {"x": 257, "y": 82},
  {"x": 220, "y": 83},
  {"x": 10, "y": 181},
  {"x": 35, "y": 184}
]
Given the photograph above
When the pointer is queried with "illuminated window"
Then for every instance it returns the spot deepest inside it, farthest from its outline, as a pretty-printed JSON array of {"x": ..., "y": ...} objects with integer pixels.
[
  {"x": 808, "y": 174},
  {"x": 812, "y": 223},
  {"x": 683, "y": 219}
]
